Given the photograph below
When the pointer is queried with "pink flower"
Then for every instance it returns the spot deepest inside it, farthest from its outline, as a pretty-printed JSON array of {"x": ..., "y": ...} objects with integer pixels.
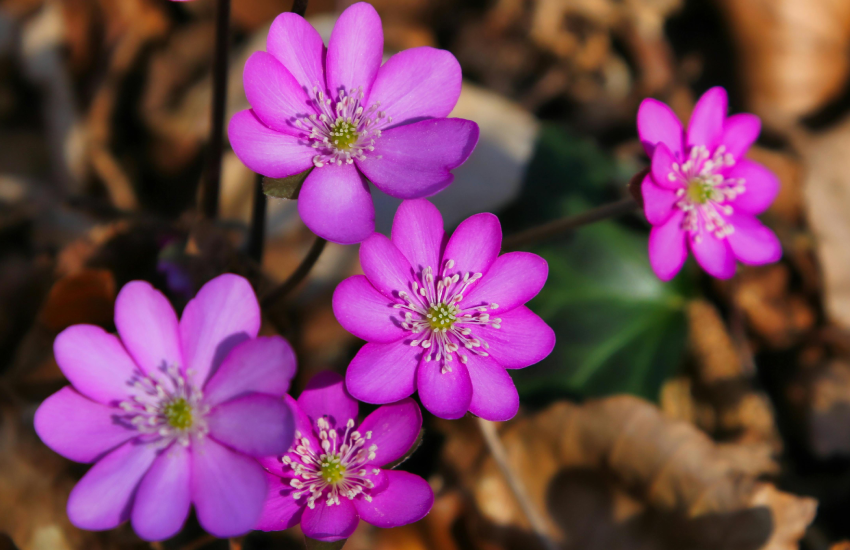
[
  {"x": 702, "y": 193},
  {"x": 445, "y": 317},
  {"x": 332, "y": 475},
  {"x": 173, "y": 412},
  {"x": 340, "y": 111}
]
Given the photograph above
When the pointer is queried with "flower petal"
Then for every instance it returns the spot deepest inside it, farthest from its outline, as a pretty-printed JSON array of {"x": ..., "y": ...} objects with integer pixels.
[
  {"x": 77, "y": 428},
  {"x": 657, "y": 123},
  {"x": 221, "y": 316},
  {"x": 512, "y": 280},
  {"x": 95, "y": 363},
  {"x": 335, "y": 203},
  {"x": 444, "y": 394},
  {"x": 753, "y": 243},
  {"x": 394, "y": 428},
  {"x": 475, "y": 244},
  {"x": 522, "y": 339},
  {"x": 662, "y": 167},
  {"x": 713, "y": 255},
  {"x": 103, "y": 498},
  {"x": 228, "y": 489},
  {"x": 262, "y": 365},
  {"x": 706, "y": 124},
  {"x": 383, "y": 373},
  {"x": 407, "y": 498},
  {"x": 303, "y": 428},
  {"x": 255, "y": 424},
  {"x": 164, "y": 497},
  {"x": 760, "y": 187},
  {"x": 329, "y": 523},
  {"x": 355, "y": 50},
  {"x": 494, "y": 395},
  {"x": 299, "y": 47},
  {"x": 414, "y": 160},
  {"x": 385, "y": 266},
  {"x": 266, "y": 151},
  {"x": 739, "y": 133},
  {"x": 417, "y": 83},
  {"x": 274, "y": 94},
  {"x": 365, "y": 312},
  {"x": 325, "y": 395},
  {"x": 418, "y": 233},
  {"x": 280, "y": 510},
  {"x": 667, "y": 247},
  {"x": 658, "y": 203}
]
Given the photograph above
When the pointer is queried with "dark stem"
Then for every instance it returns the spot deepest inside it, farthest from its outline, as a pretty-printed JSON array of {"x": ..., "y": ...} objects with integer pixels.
[
  {"x": 212, "y": 181},
  {"x": 257, "y": 230},
  {"x": 562, "y": 225},
  {"x": 299, "y": 7},
  {"x": 298, "y": 275}
]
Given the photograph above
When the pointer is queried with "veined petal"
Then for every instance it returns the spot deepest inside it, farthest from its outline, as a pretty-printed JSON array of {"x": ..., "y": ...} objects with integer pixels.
[
  {"x": 407, "y": 499},
  {"x": 280, "y": 510},
  {"x": 262, "y": 365},
  {"x": 163, "y": 499},
  {"x": 446, "y": 394},
  {"x": 494, "y": 395},
  {"x": 739, "y": 133},
  {"x": 475, "y": 244},
  {"x": 266, "y": 151},
  {"x": 418, "y": 233},
  {"x": 329, "y": 523},
  {"x": 383, "y": 373},
  {"x": 667, "y": 247},
  {"x": 394, "y": 428},
  {"x": 760, "y": 187},
  {"x": 713, "y": 255},
  {"x": 522, "y": 339},
  {"x": 275, "y": 95},
  {"x": 355, "y": 50},
  {"x": 753, "y": 243},
  {"x": 662, "y": 168},
  {"x": 297, "y": 45},
  {"x": 658, "y": 202},
  {"x": 365, "y": 312},
  {"x": 255, "y": 424},
  {"x": 385, "y": 266},
  {"x": 512, "y": 280},
  {"x": 325, "y": 395},
  {"x": 657, "y": 123},
  {"x": 303, "y": 429},
  {"x": 706, "y": 124},
  {"x": 335, "y": 203}
]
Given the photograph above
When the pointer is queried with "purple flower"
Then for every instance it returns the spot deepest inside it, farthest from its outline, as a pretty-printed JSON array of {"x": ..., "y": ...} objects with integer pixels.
[
  {"x": 172, "y": 412},
  {"x": 702, "y": 193},
  {"x": 340, "y": 111},
  {"x": 332, "y": 475},
  {"x": 445, "y": 317}
]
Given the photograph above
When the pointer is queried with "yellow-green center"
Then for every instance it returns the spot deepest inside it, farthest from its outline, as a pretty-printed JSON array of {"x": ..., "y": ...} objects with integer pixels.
[
  {"x": 699, "y": 191},
  {"x": 333, "y": 471},
  {"x": 442, "y": 316},
  {"x": 343, "y": 135},
  {"x": 179, "y": 414}
]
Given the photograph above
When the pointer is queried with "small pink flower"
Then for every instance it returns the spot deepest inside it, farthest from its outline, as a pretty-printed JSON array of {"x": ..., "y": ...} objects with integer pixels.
[
  {"x": 442, "y": 316},
  {"x": 173, "y": 412},
  {"x": 332, "y": 475},
  {"x": 339, "y": 110},
  {"x": 702, "y": 193}
]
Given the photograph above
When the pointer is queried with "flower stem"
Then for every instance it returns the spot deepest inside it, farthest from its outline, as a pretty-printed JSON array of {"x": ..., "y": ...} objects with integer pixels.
[
  {"x": 535, "y": 518},
  {"x": 298, "y": 275},
  {"x": 562, "y": 225}
]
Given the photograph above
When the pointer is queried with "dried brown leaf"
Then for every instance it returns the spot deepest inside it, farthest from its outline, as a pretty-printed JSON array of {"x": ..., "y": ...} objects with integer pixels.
[{"x": 85, "y": 297}]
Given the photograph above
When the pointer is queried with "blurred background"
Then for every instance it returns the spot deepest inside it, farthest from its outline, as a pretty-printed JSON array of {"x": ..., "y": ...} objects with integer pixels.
[{"x": 696, "y": 414}]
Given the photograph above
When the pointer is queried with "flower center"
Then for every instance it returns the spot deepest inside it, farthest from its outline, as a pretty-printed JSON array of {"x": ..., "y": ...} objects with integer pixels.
[
  {"x": 343, "y": 135},
  {"x": 332, "y": 470},
  {"x": 442, "y": 316},
  {"x": 699, "y": 191}
]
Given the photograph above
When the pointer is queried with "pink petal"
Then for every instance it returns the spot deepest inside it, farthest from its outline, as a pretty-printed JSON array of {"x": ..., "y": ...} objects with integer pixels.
[
  {"x": 394, "y": 428},
  {"x": 77, "y": 428},
  {"x": 706, "y": 124},
  {"x": 475, "y": 244},
  {"x": 713, "y": 255},
  {"x": 658, "y": 203},
  {"x": 266, "y": 151},
  {"x": 417, "y": 83},
  {"x": 415, "y": 160},
  {"x": 407, "y": 498},
  {"x": 224, "y": 314},
  {"x": 280, "y": 510},
  {"x": 383, "y": 373},
  {"x": 512, "y": 280},
  {"x": 303, "y": 427},
  {"x": 104, "y": 497},
  {"x": 275, "y": 95},
  {"x": 256, "y": 424},
  {"x": 753, "y": 243},
  {"x": 325, "y": 395},
  {"x": 494, "y": 395},
  {"x": 662, "y": 167},
  {"x": 263, "y": 365},
  {"x": 329, "y": 523},
  {"x": 228, "y": 489},
  {"x": 95, "y": 363},
  {"x": 418, "y": 233},
  {"x": 164, "y": 497},
  {"x": 365, "y": 312},
  {"x": 522, "y": 339},
  {"x": 448, "y": 394},
  {"x": 667, "y": 248},
  {"x": 335, "y": 203},
  {"x": 355, "y": 50},
  {"x": 760, "y": 184},
  {"x": 298, "y": 46},
  {"x": 385, "y": 266},
  {"x": 657, "y": 123},
  {"x": 739, "y": 133}
]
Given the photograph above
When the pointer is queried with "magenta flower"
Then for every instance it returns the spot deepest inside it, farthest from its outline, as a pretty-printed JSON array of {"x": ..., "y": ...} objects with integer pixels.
[
  {"x": 332, "y": 475},
  {"x": 702, "y": 193},
  {"x": 340, "y": 111},
  {"x": 446, "y": 318},
  {"x": 172, "y": 412}
]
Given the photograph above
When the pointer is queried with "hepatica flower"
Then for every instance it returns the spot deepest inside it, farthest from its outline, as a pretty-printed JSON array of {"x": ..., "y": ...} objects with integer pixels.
[
  {"x": 173, "y": 412},
  {"x": 332, "y": 474},
  {"x": 445, "y": 318},
  {"x": 702, "y": 194},
  {"x": 342, "y": 113}
]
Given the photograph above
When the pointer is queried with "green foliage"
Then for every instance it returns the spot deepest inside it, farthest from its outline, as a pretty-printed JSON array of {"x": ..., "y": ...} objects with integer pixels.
[{"x": 285, "y": 188}]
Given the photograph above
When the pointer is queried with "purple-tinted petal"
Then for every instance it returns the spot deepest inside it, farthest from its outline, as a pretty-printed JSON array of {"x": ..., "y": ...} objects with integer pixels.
[
  {"x": 224, "y": 314},
  {"x": 274, "y": 94},
  {"x": 228, "y": 489},
  {"x": 739, "y": 132},
  {"x": 658, "y": 203},
  {"x": 325, "y": 395},
  {"x": 335, "y": 203},
  {"x": 394, "y": 430},
  {"x": 266, "y": 151},
  {"x": 417, "y": 83},
  {"x": 657, "y": 123},
  {"x": 760, "y": 187},
  {"x": 494, "y": 395},
  {"x": 280, "y": 510},
  {"x": 263, "y": 365},
  {"x": 78, "y": 428},
  {"x": 365, "y": 312},
  {"x": 329, "y": 523},
  {"x": 713, "y": 255},
  {"x": 753, "y": 243},
  {"x": 95, "y": 363},
  {"x": 662, "y": 167},
  {"x": 418, "y": 233},
  {"x": 103, "y": 498},
  {"x": 255, "y": 424},
  {"x": 416, "y": 159},
  {"x": 383, "y": 373},
  {"x": 512, "y": 280},
  {"x": 522, "y": 339},
  {"x": 667, "y": 247},
  {"x": 298, "y": 46},
  {"x": 407, "y": 498},
  {"x": 162, "y": 502},
  {"x": 475, "y": 244},
  {"x": 706, "y": 124},
  {"x": 444, "y": 394},
  {"x": 385, "y": 266},
  {"x": 303, "y": 428},
  {"x": 355, "y": 50}
]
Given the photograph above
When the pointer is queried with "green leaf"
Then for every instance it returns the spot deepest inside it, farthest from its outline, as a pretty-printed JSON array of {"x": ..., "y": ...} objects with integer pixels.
[
  {"x": 313, "y": 544},
  {"x": 285, "y": 188}
]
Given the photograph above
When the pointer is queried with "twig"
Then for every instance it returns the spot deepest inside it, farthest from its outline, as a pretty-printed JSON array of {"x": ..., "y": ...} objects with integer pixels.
[
  {"x": 538, "y": 524},
  {"x": 257, "y": 230},
  {"x": 298, "y": 275}
]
